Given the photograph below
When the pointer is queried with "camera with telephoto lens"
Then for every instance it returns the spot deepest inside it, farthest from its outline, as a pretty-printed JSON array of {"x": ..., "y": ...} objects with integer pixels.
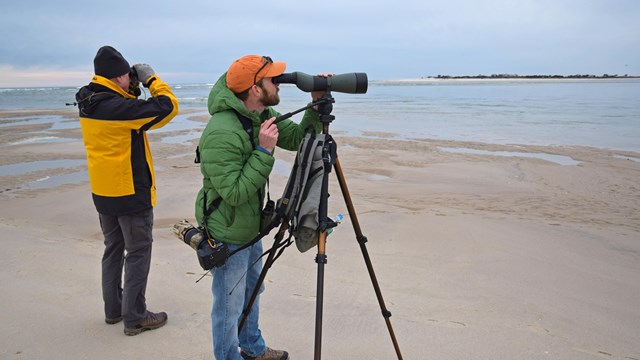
[{"x": 210, "y": 253}]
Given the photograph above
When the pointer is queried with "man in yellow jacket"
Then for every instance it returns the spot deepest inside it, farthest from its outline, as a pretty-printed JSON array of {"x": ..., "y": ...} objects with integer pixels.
[{"x": 114, "y": 126}]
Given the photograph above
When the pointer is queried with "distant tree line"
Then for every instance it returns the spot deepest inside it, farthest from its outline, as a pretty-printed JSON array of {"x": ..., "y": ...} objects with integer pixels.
[{"x": 515, "y": 76}]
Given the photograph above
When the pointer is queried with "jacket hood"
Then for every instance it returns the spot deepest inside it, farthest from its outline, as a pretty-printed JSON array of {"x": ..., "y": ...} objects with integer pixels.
[
  {"x": 222, "y": 99},
  {"x": 100, "y": 87}
]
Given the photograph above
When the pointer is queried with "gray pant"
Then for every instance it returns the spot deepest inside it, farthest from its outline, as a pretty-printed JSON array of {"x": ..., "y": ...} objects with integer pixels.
[{"x": 130, "y": 233}]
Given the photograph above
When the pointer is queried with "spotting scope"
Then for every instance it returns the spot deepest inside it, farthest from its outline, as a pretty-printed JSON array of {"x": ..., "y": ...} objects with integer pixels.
[{"x": 351, "y": 83}]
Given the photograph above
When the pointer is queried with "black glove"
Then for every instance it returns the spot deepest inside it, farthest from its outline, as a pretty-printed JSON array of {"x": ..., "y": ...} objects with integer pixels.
[{"x": 145, "y": 72}]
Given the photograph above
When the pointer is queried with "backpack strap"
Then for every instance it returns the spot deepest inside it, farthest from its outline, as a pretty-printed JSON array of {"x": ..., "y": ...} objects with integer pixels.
[
  {"x": 307, "y": 161},
  {"x": 299, "y": 173},
  {"x": 247, "y": 125}
]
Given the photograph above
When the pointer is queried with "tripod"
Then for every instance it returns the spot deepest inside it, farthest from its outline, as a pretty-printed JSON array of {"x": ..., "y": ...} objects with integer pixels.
[{"x": 324, "y": 108}]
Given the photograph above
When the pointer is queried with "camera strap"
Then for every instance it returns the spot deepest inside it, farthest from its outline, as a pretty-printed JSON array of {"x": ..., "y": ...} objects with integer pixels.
[{"x": 206, "y": 212}]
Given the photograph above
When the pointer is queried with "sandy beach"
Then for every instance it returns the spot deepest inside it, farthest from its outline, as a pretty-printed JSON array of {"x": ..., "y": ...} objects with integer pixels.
[{"x": 478, "y": 256}]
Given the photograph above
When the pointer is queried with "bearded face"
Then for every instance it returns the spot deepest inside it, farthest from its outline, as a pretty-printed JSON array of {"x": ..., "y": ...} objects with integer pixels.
[{"x": 269, "y": 95}]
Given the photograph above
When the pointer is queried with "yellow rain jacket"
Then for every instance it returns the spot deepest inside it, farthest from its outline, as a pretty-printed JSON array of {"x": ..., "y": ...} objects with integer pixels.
[{"x": 114, "y": 125}]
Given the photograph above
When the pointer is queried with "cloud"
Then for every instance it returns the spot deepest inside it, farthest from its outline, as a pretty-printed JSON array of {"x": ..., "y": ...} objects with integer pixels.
[
  {"x": 387, "y": 39},
  {"x": 39, "y": 76}
]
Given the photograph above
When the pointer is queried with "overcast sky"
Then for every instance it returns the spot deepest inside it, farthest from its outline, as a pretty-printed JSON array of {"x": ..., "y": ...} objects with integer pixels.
[{"x": 49, "y": 43}]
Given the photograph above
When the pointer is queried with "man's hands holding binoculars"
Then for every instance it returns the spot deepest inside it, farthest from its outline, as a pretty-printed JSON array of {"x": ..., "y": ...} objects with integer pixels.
[{"x": 145, "y": 72}]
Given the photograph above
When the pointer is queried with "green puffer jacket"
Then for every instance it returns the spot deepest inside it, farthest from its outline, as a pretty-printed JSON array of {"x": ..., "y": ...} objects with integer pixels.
[{"x": 235, "y": 171}]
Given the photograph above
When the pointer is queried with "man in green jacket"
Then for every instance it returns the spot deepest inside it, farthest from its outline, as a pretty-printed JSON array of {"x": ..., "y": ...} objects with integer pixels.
[
  {"x": 236, "y": 169},
  {"x": 114, "y": 125}
]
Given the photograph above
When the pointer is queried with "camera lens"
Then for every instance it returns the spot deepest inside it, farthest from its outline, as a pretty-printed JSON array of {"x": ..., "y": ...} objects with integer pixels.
[{"x": 193, "y": 237}]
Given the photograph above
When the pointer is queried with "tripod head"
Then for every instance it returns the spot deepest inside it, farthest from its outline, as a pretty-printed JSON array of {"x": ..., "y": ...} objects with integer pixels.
[{"x": 325, "y": 107}]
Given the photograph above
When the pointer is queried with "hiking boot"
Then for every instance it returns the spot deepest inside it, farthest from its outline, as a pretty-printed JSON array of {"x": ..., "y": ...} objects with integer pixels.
[
  {"x": 270, "y": 354},
  {"x": 150, "y": 322},
  {"x": 112, "y": 321}
]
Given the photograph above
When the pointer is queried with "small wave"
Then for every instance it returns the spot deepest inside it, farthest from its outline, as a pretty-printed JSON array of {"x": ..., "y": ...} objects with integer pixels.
[
  {"x": 39, "y": 139},
  {"x": 58, "y": 180},
  {"x": 194, "y": 85},
  {"x": 27, "y": 89},
  {"x": 625, "y": 157},
  {"x": 558, "y": 159},
  {"x": 199, "y": 98},
  {"x": 29, "y": 167}
]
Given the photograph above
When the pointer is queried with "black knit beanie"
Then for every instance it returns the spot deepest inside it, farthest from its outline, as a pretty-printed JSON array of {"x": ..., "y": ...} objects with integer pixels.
[{"x": 110, "y": 63}]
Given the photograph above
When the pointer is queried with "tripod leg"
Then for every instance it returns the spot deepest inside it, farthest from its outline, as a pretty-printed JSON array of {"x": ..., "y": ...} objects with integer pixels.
[
  {"x": 365, "y": 253},
  {"x": 321, "y": 259},
  {"x": 328, "y": 154},
  {"x": 267, "y": 264}
]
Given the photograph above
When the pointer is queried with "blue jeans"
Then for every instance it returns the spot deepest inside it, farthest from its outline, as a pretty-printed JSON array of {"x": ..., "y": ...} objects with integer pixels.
[{"x": 232, "y": 289}]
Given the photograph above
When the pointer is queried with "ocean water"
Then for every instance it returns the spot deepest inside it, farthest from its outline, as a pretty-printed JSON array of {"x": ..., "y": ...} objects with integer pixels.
[{"x": 600, "y": 113}]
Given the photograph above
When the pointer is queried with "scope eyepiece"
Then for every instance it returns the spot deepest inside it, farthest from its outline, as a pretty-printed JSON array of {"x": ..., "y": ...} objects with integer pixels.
[{"x": 351, "y": 83}]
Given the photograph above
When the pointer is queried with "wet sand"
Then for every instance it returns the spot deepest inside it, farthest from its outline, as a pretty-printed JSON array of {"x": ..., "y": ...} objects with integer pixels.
[{"x": 478, "y": 256}]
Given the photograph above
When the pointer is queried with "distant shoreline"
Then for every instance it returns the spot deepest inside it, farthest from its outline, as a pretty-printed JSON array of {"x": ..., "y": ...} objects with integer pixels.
[
  {"x": 533, "y": 78},
  {"x": 510, "y": 76}
]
